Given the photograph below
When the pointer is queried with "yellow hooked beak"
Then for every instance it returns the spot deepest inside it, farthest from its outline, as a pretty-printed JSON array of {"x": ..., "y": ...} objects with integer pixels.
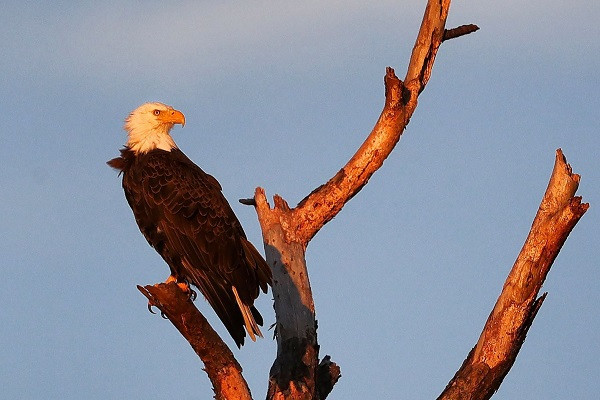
[{"x": 172, "y": 116}]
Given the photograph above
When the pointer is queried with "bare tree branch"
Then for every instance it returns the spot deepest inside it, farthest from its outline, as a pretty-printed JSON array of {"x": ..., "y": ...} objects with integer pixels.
[
  {"x": 326, "y": 201},
  {"x": 426, "y": 46},
  {"x": 220, "y": 365},
  {"x": 504, "y": 333},
  {"x": 459, "y": 31}
]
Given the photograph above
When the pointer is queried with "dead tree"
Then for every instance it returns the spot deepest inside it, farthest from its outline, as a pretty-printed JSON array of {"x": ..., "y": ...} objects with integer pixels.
[{"x": 296, "y": 372}]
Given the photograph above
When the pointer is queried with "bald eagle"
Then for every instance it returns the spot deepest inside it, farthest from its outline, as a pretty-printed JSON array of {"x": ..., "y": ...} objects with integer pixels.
[{"x": 183, "y": 214}]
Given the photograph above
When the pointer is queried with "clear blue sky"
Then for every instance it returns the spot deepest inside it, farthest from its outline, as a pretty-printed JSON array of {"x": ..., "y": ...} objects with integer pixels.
[{"x": 280, "y": 96}]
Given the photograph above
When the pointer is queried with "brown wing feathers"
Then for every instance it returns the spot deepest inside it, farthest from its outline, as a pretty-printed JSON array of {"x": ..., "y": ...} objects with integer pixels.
[{"x": 183, "y": 214}]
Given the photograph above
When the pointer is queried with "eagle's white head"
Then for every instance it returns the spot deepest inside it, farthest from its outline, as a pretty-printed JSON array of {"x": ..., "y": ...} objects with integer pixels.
[{"x": 148, "y": 127}]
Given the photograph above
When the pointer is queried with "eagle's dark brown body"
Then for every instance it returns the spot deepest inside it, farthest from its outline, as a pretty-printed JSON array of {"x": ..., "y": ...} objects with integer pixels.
[{"x": 183, "y": 214}]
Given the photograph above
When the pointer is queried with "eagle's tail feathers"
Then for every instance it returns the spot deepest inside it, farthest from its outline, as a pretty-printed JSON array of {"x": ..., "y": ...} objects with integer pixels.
[{"x": 249, "y": 321}]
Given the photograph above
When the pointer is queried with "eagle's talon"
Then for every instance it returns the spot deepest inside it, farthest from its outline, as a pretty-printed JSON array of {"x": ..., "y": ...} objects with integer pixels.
[
  {"x": 193, "y": 294},
  {"x": 150, "y": 305},
  {"x": 162, "y": 314}
]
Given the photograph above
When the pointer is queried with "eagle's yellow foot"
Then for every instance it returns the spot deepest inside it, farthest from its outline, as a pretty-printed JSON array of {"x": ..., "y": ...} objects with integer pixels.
[{"x": 184, "y": 286}]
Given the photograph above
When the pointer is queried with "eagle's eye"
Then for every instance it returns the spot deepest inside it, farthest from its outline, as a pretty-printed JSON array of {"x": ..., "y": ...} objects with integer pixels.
[{"x": 157, "y": 112}]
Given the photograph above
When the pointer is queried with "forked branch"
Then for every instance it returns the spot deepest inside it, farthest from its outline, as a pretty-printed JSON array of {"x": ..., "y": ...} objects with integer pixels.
[{"x": 287, "y": 231}]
